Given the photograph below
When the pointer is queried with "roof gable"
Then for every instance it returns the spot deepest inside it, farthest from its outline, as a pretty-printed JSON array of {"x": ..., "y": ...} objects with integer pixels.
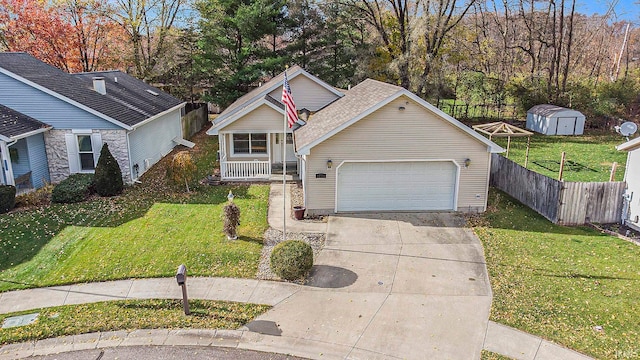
[
  {"x": 15, "y": 125},
  {"x": 360, "y": 101},
  {"x": 265, "y": 100},
  {"x": 629, "y": 145},
  {"x": 77, "y": 89},
  {"x": 245, "y": 102}
]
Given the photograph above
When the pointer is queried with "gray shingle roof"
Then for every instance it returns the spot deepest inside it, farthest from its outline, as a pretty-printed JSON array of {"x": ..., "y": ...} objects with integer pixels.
[
  {"x": 356, "y": 101},
  {"x": 253, "y": 95},
  {"x": 13, "y": 123},
  {"x": 128, "y": 102}
]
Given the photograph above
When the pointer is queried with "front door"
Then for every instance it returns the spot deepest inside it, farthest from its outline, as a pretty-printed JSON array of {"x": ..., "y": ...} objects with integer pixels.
[{"x": 277, "y": 149}]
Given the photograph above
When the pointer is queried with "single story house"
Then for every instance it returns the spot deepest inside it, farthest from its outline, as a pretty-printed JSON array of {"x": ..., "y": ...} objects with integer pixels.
[
  {"x": 555, "y": 120},
  {"x": 74, "y": 115},
  {"x": 631, "y": 210},
  {"x": 375, "y": 147}
]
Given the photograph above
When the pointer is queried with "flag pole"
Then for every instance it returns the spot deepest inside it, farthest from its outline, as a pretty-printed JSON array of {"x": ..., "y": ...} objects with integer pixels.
[{"x": 284, "y": 168}]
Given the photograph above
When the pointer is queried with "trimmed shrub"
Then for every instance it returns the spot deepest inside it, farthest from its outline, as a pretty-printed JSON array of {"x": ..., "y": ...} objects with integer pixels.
[
  {"x": 75, "y": 188},
  {"x": 291, "y": 259},
  {"x": 7, "y": 198},
  {"x": 108, "y": 176},
  {"x": 231, "y": 214}
]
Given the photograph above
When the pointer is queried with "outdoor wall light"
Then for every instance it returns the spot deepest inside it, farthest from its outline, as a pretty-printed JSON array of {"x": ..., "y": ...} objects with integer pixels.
[
  {"x": 467, "y": 162},
  {"x": 329, "y": 164}
]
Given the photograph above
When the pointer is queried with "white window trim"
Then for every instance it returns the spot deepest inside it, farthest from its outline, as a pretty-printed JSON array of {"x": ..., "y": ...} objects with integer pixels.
[
  {"x": 249, "y": 154},
  {"x": 82, "y": 171}
]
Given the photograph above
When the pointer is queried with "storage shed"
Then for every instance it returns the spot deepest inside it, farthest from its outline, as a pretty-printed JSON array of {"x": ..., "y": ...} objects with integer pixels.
[{"x": 555, "y": 120}]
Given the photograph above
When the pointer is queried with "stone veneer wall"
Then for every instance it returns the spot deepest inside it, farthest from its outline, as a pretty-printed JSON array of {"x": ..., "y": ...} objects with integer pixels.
[{"x": 57, "y": 152}]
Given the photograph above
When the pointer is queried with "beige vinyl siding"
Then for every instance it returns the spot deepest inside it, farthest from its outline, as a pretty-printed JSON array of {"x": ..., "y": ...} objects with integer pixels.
[
  {"x": 262, "y": 119},
  {"x": 307, "y": 93},
  {"x": 392, "y": 134},
  {"x": 632, "y": 178}
]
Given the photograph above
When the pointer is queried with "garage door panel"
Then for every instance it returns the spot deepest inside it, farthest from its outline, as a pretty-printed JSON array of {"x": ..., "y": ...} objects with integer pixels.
[{"x": 371, "y": 186}]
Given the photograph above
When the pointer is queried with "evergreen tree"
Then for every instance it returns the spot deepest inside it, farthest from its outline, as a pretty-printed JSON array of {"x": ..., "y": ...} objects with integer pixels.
[
  {"x": 235, "y": 47},
  {"x": 108, "y": 176}
]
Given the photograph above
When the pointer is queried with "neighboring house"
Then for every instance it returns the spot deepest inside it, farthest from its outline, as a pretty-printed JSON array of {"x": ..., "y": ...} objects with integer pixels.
[
  {"x": 140, "y": 123},
  {"x": 631, "y": 210},
  {"x": 22, "y": 149},
  {"x": 375, "y": 147}
]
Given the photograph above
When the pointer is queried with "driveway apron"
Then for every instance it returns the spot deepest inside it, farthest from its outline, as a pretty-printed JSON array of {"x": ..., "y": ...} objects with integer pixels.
[{"x": 397, "y": 285}]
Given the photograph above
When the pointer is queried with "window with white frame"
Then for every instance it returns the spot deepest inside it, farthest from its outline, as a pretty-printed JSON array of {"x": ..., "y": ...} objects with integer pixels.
[
  {"x": 250, "y": 143},
  {"x": 85, "y": 153}
]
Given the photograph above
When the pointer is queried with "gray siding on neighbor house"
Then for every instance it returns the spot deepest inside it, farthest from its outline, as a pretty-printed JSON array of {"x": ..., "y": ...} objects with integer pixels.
[
  {"x": 51, "y": 110},
  {"x": 38, "y": 160},
  {"x": 153, "y": 140}
]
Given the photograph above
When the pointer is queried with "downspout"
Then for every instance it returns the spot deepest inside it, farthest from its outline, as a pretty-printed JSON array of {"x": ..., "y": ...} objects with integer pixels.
[{"x": 130, "y": 158}]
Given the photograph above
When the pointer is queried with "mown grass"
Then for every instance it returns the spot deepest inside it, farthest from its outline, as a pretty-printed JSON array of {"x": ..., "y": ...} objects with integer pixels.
[
  {"x": 130, "y": 315},
  {"x": 146, "y": 232},
  {"x": 588, "y": 157},
  {"x": 560, "y": 282}
]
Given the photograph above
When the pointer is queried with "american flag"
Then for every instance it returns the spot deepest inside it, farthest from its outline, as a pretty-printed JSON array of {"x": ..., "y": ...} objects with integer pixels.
[{"x": 289, "y": 105}]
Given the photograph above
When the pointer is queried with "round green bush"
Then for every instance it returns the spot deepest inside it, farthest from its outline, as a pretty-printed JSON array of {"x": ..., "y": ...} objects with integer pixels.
[
  {"x": 75, "y": 188},
  {"x": 7, "y": 198},
  {"x": 291, "y": 259}
]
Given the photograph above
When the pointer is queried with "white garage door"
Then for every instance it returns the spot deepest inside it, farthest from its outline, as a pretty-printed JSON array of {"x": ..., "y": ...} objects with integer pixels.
[{"x": 382, "y": 186}]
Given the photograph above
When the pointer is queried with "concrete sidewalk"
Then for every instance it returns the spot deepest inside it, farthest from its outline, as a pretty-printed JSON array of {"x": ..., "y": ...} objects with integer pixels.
[
  {"x": 276, "y": 207},
  {"x": 203, "y": 288}
]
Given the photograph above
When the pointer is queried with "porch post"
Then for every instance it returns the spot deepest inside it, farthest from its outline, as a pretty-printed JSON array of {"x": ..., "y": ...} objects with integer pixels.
[
  {"x": 6, "y": 164},
  {"x": 222, "y": 148}
]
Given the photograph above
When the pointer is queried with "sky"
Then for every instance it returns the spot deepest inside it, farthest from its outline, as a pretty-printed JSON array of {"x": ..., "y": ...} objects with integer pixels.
[{"x": 627, "y": 10}]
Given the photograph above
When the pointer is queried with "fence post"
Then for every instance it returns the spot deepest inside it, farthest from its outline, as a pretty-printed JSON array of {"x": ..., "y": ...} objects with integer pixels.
[
  {"x": 614, "y": 167},
  {"x": 561, "y": 165}
]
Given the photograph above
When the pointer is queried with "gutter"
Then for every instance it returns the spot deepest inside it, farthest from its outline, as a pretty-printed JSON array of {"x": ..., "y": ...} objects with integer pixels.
[{"x": 157, "y": 116}]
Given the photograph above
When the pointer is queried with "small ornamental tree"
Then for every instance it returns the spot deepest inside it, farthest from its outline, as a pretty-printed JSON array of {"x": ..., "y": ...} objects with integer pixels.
[
  {"x": 231, "y": 214},
  {"x": 182, "y": 169},
  {"x": 108, "y": 176}
]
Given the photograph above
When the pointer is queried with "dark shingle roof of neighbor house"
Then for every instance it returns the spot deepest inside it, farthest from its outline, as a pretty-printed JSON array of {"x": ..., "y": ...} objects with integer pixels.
[
  {"x": 128, "y": 101},
  {"x": 356, "y": 101},
  {"x": 13, "y": 123}
]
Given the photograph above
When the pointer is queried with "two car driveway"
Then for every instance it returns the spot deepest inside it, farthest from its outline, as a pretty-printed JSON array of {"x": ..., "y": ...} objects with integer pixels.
[{"x": 404, "y": 285}]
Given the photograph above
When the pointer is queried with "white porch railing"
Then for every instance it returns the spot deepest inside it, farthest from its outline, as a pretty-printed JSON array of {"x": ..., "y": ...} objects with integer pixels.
[{"x": 245, "y": 169}]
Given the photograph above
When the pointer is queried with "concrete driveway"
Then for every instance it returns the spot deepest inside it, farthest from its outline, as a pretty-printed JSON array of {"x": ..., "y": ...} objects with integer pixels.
[{"x": 407, "y": 285}]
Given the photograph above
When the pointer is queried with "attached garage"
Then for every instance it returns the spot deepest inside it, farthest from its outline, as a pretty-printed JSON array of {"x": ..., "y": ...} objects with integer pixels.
[{"x": 396, "y": 186}]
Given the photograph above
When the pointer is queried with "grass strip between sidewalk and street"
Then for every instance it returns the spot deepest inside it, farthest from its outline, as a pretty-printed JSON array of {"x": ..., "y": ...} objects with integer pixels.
[{"x": 130, "y": 315}]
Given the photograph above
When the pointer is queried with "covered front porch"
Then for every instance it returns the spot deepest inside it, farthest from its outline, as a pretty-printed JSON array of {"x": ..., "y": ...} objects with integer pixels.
[{"x": 256, "y": 155}]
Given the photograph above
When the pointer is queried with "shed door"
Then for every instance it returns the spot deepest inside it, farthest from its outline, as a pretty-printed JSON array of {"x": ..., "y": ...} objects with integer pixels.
[
  {"x": 566, "y": 126},
  {"x": 387, "y": 186}
]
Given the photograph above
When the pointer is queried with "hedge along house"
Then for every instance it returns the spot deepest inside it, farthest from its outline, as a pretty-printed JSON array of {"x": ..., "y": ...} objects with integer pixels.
[
  {"x": 22, "y": 150},
  {"x": 250, "y": 130},
  {"x": 140, "y": 123},
  {"x": 382, "y": 148},
  {"x": 555, "y": 120},
  {"x": 631, "y": 208}
]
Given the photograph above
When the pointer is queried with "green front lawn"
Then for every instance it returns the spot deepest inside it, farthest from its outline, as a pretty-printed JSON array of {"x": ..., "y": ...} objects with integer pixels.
[
  {"x": 560, "y": 282},
  {"x": 588, "y": 157},
  {"x": 130, "y": 315},
  {"x": 146, "y": 232}
]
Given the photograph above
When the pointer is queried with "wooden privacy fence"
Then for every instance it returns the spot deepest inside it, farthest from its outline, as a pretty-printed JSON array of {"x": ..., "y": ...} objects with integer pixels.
[
  {"x": 565, "y": 203},
  {"x": 193, "y": 121}
]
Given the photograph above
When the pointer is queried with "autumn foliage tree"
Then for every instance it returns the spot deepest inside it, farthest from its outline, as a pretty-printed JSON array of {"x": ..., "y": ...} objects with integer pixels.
[{"x": 72, "y": 35}]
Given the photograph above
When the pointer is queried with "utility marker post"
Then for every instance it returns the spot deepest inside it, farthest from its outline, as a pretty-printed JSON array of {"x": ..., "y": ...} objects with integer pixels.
[{"x": 181, "y": 278}]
